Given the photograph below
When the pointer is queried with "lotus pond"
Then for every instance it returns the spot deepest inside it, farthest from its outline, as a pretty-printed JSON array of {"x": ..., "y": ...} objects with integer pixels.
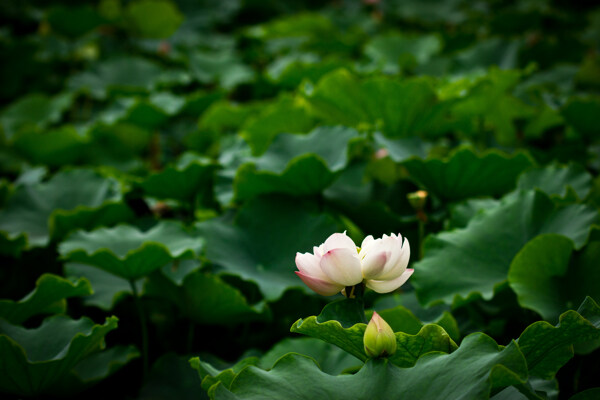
[{"x": 377, "y": 199}]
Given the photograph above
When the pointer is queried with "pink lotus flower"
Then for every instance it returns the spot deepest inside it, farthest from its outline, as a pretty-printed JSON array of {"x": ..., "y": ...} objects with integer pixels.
[{"x": 337, "y": 263}]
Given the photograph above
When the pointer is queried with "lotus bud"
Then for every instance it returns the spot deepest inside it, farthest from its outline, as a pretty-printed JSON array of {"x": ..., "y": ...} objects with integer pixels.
[
  {"x": 379, "y": 339},
  {"x": 417, "y": 199}
]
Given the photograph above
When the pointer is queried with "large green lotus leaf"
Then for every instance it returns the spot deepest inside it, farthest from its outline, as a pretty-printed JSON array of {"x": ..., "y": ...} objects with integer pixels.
[
  {"x": 405, "y": 314},
  {"x": 538, "y": 272},
  {"x": 402, "y": 149},
  {"x": 34, "y": 111},
  {"x": 96, "y": 367},
  {"x": 211, "y": 376},
  {"x": 301, "y": 24},
  {"x": 73, "y": 21},
  {"x": 468, "y": 174},
  {"x": 548, "y": 280},
  {"x": 426, "y": 12},
  {"x": 410, "y": 347},
  {"x": 172, "y": 378},
  {"x": 34, "y": 361},
  {"x": 49, "y": 297},
  {"x": 184, "y": 182},
  {"x": 219, "y": 119},
  {"x": 547, "y": 348},
  {"x": 466, "y": 263},
  {"x": 130, "y": 75},
  {"x": 494, "y": 52},
  {"x": 71, "y": 199},
  {"x": 128, "y": 252},
  {"x": 206, "y": 299},
  {"x": 146, "y": 114},
  {"x": 177, "y": 271},
  {"x": 579, "y": 112},
  {"x": 399, "y": 109},
  {"x": 197, "y": 102},
  {"x": 490, "y": 106},
  {"x": 393, "y": 53},
  {"x": 223, "y": 117},
  {"x": 329, "y": 143},
  {"x": 235, "y": 152},
  {"x": 286, "y": 115},
  {"x": 54, "y": 148},
  {"x": 548, "y": 118},
  {"x": 121, "y": 146},
  {"x": 331, "y": 359},
  {"x": 149, "y": 113},
  {"x": 153, "y": 19},
  {"x": 351, "y": 188},
  {"x": 401, "y": 319},
  {"x": 223, "y": 66},
  {"x": 555, "y": 180},
  {"x": 12, "y": 246},
  {"x": 461, "y": 213},
  {"x": 559, "y": 79},
  {"x": 476, "y": 369},
  {"x": 62, "y": 222},
  {"x": 296, "y": 164},
  {"x": 352, "y": 193},
  {"x": 295, "y": 61},
  {"x": 290, "y": 70},
  {"x": 108, "y": 289},
  {"x": 111, "y": 115},
  {"x": 31, "y": 176},
  {"x": 542, "y": 387},
  {"x": 348, "y": 312},
  {"x": 262, "y": 241}
]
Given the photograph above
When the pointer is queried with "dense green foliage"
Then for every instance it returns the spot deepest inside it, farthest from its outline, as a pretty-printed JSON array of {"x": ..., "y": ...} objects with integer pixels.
[{"x": 163, "y": 161}]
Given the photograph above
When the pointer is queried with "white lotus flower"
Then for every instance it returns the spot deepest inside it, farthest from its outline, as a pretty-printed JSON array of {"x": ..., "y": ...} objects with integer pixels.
[{"x": 337, "y": 263}]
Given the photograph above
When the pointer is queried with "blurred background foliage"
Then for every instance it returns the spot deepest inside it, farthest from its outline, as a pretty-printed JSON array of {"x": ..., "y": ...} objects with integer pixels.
[{"x": 179, "y": 153}]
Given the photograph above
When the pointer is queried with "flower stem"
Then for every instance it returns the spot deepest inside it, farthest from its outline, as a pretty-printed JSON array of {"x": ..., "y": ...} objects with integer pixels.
[
  {"x": 355, "y": 293},
  {"x": 421, "y": 237},
  {"x": 144, "y": 326}
]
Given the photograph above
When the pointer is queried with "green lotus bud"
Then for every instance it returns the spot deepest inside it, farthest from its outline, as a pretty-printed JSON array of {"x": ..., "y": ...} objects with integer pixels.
[
  {"x": 417, "y": 199},
  {"x": 379, "y": 339}
]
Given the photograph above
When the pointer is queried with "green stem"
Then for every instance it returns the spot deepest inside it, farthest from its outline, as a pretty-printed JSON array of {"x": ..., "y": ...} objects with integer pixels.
[
  {"x": 358, "y": 291},
  {"x": 144, "y": 326},
  {"x": 421, "y": 237}
]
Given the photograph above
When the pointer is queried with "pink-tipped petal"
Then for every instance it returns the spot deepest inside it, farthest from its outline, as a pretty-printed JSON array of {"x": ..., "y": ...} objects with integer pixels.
[
  {"x": 388, "y": 246},
  {"x": 342, "y": 266},
  {"x": 391, "y": 285},
  {"x": 373, "y": 264},
  {"x": 308, "y": 264},
  {"x": 320, "y": 286},
  {"x": 338, "y": 241}
]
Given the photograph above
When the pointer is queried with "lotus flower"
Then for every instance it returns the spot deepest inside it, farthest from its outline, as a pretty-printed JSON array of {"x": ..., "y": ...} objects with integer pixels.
[
  {"x": 337, "y": 263},
  {"x": 379, "y": 339}
]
